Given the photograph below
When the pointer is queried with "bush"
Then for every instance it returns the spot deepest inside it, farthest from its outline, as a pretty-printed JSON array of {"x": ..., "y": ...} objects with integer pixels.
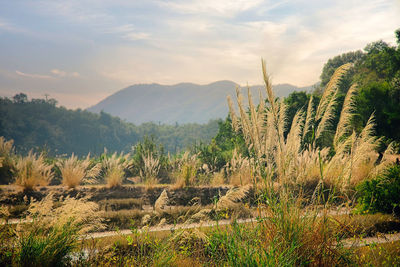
[{"x": 380, "y": 194}]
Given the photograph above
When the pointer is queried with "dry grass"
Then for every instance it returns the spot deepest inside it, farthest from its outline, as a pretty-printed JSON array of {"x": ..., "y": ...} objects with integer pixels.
[
  {"x": 218, "y": 178},
  {"x": 234, "y": 197},
  {"x": 6, "y": 152},
  {"x": 114, "y": 169},
  {"x": 161, "y": 202},
  {"x": 239, "y": 169},
  {"x": 80, "y": 213},
  {"x": 303, "y": 157},
  {"x": 32, "y": 171},
  {"x": 75, "y": 171},
  {"x": 151, "y": 169},
  {"x": 364, "y": 225},
  {"x": 185, "y": 170}
]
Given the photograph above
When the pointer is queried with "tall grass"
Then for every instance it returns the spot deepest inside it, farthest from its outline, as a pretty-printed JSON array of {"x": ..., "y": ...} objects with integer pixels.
[
  {"x": 75, "y": 171},
  {"x": 114, "y": 168},
  {"x": 304, "y": 153},
  {"x": 238, "y": 169},
  {"x": 288, "y": 233},
  {"x": 31, "y": 171},
  {"x": 53, "y": 234},
  {"x": 151, "y": 168},
  {"x": 7, "y": 154},
  {"x": 186, "y": 169}
]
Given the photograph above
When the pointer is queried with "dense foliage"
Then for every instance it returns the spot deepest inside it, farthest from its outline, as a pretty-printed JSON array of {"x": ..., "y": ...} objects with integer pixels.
[
  {"x": 380, "y": 194},
  {"x": 376, "y": 71},
  {"x": 41, "y": 125}
]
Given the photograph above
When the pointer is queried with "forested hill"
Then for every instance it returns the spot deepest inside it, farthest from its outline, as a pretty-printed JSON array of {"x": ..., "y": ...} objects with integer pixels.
[
  {"x": 182, "y": 103},
  {"x": 40, "y": 124}
]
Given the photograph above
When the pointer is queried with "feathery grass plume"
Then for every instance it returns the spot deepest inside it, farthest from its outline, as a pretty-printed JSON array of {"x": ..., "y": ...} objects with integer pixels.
[
  {"x": 218, "y": 178},
  {"x": 244, "y": 120},
  {"x": 238, "y": 169},
  {"x": 330, "y": 89},
  {"x": 308, "y": 165},
  {"x": 389, "y": 157},
  {"x": 343, "y": 128},
  {"x": 7, "y": 154},
  {"x": 161, "y": 202},
  {"x": 80, "y": 213},
  {"x": 364, "y": 150},
  {"x": 151, "y": 167},
  {"x": 188, "y": 237},
  {"x": 54, "y": 232},
  {"x": 293, "y": 145},
  {"x": 327, "y": 117},
  {"x": 6, "y": 147},
  {"x": 75, "y": 171},
  {"x": 114, "y": 168},
  {"x": 232, "y": 113},
  {"x": 32, "y": 171},
  {"x": 310, "y": 119},
  {"x": 355, "y": 157},
  {"x": 186, "y": 170},
  {"x": 233, "y": 197}
]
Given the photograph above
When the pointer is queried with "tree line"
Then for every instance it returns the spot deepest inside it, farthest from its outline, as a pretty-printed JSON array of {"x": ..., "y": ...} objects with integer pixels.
[{"x": 41, "y": 125}]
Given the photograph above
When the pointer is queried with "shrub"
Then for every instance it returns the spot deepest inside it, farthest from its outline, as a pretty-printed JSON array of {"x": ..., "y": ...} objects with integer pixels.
[
  {"x": 31, "y": 171},
  {"x": 380, "y": 194}
]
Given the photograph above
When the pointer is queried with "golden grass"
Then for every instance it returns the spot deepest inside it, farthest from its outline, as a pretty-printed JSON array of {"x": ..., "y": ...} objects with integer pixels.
[
  {"x": 32, "y": 171},
  {"x": 218, "y": 178},
  {"x": 185, "y": 170},
  {"x": 50, "y": 214},
  {"x": 114, "y": 168},
  {"x": 303, "y": 157},
  {"x": 239, "y": 169},
  {"x": 365, "y": 225},
  {"x": 75, "y": 171}
]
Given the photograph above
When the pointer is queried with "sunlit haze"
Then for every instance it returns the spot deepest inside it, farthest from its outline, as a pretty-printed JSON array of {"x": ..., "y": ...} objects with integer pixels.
[{"x": 80, "y": 51}]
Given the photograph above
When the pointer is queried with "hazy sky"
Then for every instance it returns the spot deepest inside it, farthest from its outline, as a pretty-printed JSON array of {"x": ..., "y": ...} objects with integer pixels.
[{"x": 80, "y": 51}]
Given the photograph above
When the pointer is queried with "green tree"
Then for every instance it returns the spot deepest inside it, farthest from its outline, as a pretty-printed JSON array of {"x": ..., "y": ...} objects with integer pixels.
[{"x": 337, "y": 61}]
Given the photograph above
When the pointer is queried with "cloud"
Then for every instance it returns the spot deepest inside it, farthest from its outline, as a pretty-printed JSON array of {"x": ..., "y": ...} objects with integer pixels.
[
  {"x": 226, "y": 8},
  {"x": 54, "y": 73},
  {"x": 128, "y": 32},
  {"x": 171, "y": 41},
  {"x": 34, "y": 76},
  {"x": 61, "y": 73},
  {"x": 5, "y": 25}
]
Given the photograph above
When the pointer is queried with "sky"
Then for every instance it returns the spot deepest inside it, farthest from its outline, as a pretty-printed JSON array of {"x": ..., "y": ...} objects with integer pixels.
[{"x": 81, "y": 51}]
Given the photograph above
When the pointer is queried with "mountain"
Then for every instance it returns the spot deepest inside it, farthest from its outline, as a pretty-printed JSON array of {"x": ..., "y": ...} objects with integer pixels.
[{"x": 179, "y": 103}]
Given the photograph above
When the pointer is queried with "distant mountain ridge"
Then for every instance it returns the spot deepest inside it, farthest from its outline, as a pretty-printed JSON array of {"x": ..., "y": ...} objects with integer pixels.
[{"x": 179, "y": 103}]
